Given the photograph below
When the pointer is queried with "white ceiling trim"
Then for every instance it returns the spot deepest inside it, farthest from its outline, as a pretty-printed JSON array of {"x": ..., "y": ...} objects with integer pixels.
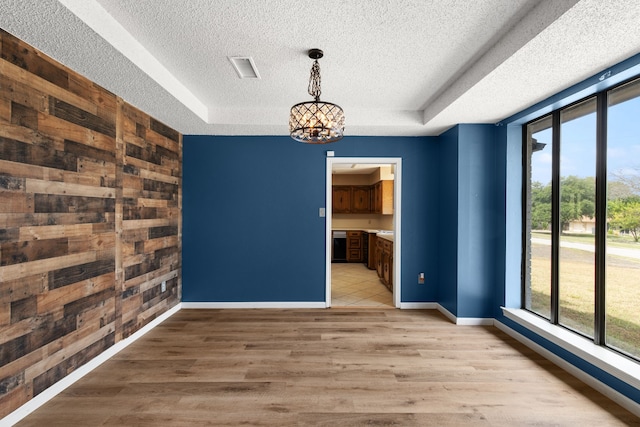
[{"x": 100, "y": 21}]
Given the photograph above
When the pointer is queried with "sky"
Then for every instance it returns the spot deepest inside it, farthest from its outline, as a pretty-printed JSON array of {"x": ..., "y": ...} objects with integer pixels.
[{"x": 578, "y": 156}]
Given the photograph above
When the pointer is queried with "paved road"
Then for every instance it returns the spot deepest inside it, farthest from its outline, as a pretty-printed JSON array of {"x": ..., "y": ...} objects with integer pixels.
[{"x": 629, "y": 253}]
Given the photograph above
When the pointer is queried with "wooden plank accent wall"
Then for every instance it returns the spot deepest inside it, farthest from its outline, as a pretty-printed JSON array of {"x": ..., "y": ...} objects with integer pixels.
[{"x": 90, "y": 221}]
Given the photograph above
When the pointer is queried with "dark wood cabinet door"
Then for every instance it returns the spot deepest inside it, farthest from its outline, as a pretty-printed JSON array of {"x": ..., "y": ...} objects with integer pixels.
[
  {"x": 376, "y": 198},
  {"x": 379, "y": 257},
  {"x": 360, "y": 199},
  {"x": 354, "y": 246},
  {"x": 341, "y": 202}
]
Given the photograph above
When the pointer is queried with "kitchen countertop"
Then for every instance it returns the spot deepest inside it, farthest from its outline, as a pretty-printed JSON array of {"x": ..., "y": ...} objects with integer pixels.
[
  {"x": 357, "y": 229},
  {"x": 386, "y": 236},
  {"x": 383, "y": 234}
]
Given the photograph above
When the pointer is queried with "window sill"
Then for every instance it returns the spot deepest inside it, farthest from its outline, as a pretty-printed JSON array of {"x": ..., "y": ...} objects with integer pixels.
[{"x": 608, "y": 360}]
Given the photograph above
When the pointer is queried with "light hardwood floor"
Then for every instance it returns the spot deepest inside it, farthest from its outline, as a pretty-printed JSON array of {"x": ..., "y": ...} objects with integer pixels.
[{"x": 334, "y": 367}]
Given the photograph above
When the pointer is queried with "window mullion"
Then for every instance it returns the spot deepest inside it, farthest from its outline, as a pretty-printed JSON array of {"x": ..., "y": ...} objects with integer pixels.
[
  {"x": 601, "y": 219},
  {"x": 555, "y": 218}
]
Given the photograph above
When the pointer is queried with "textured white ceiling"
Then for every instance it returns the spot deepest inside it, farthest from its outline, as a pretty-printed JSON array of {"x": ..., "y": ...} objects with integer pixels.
[{"x": 397, "y": 67}]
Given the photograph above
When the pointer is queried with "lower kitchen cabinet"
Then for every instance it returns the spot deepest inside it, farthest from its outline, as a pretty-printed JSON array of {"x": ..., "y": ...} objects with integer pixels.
[
  {"x": 371, "y": 255},
  {"x": 384, "y": 262},
  {"x": 354, "y": 246},
  {"x": 378, "y": 257}
]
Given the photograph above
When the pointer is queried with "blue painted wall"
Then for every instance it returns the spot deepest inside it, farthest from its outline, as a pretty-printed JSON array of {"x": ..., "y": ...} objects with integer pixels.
[
  {"x": 468, "y": 233},
  {"x": 448, "y": 221},
  {"x": 477, "y": 209},
  {"x": 251, "y": 230}
]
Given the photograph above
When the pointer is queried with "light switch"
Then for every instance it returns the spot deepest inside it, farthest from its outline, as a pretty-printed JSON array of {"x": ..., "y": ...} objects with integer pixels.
[{"x": 321, "y": 213}]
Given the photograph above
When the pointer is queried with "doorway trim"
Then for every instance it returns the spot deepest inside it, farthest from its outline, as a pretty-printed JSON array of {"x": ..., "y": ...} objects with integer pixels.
[{"x": 397, "y": 220}]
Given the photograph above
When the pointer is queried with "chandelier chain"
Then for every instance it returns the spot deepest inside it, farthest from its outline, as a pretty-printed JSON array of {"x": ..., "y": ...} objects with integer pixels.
[{"x": 314, "y": 81}]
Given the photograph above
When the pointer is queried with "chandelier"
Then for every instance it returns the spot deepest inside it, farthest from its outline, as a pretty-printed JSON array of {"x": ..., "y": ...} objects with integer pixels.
[{"x": 316, "y": 122}]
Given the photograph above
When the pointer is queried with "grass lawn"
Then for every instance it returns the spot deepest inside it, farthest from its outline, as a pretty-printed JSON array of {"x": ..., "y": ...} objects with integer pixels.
[{"x": 577, "y": 294}]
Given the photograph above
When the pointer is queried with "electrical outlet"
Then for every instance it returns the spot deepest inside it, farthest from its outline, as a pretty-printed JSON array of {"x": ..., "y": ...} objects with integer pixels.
[
  {"x": 421, "y": 279},
  {"x": 163, "y": 286}
]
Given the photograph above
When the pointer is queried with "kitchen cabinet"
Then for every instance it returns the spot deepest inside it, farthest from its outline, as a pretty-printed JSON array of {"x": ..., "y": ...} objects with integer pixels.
[
  {"x": 384, "y": 262},
  {"x": 378, "y": 257},
  {"x": 354, "y": 246},
  {"x": 341, "y": 202},
  {"x": 371, "y": 255},
  {"x": 364, "y": 199},
  {"x": 382, "y": 197},
  {"x": 361, "y": 199}
]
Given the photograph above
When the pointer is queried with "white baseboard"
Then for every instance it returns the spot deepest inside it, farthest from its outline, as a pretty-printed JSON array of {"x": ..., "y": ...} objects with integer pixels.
[
  {"x": 620, "y": 399},
  {"x": 74, "y": 376},
  {"x": 463, "y": 321},
  {"x": 449, "y": 315},
  {"x": 418, "y": 305},
  {"x": 268, "y": 304},
  {"x": 474, "y": 321}
]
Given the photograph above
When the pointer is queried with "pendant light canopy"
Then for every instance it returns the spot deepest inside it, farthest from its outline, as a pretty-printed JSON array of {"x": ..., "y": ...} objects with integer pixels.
[{"x": 316, "y": 122}]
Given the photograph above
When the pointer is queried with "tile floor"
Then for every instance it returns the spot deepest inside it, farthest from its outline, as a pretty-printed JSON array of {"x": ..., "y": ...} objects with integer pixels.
[{"x": 354, "y": 285}]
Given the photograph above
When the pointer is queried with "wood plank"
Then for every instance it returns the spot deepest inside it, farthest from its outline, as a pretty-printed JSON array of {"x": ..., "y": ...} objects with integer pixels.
[
  {"x": 10, "y": 220},
  {"x": 22, "y": 76},
  {"x": 21, "y": 170},
  {"x": 152, "y": 203},
  {"x": 142, "y": 164},
  {"x": 68, "y": 189},
  {"x": 148, "y": 279},
  {"x": 13, "y": 202},
  {"x": 24, "y": 116},
  {"x": 23, "y": 94},
  {"x": 25, "y": 135},
  {"x": 132, "y": 115},
  {"x": 41, "y": 155},
  {"x": 163, "y": 130},
  {"x": 55, "y": 203},
  {"x": 56, "y": 127},
  {"x": 77, "y": 273},
  {"x": 96, "y": 241},
  {"x": 88, "y": 152},
  {"x": 48, "y": 301},
  {"x": 11, "y": 183},
  {"x": 97, "y": 100},
  {"x": 159, "y": 177},
  {"x": 26, "y": 251},
  {"x": 36, "y": 63},
  {"x": 12, "y": 272},
  {"x": 13, "y": 290},
  {"x": 54, "y": 231},
  {"x": 165, "y": 146},
  {"x": 5, "y": 111},
  {"x": 147, "y": 223},
  {"x": 78, "y": 116}
]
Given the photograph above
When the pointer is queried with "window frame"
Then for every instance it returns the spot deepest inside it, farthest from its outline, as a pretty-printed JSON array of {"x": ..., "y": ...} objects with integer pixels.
[{"x": 600, "y": 257}]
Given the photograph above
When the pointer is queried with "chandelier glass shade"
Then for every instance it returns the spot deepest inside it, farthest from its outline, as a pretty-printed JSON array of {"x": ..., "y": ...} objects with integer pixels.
[{"x": 316, "y": 122}]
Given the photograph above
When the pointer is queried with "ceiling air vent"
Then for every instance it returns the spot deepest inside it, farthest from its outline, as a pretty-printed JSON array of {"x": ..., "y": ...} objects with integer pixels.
[{"x": 245, "y": 67}]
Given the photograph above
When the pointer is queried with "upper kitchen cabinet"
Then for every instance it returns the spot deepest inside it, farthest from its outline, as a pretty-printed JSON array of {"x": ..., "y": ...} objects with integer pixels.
[
  {"x": 341, "y": 199},
  {"x": 382, "y": 197},
  {"x": 361, "y": 199}
]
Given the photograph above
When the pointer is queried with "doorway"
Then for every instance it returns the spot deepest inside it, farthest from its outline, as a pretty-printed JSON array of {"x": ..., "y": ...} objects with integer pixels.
[{"x": 395, "y": 164}]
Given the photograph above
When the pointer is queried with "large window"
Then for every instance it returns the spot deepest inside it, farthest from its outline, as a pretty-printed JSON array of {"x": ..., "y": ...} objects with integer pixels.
[{"x": 582, "y": 218}]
